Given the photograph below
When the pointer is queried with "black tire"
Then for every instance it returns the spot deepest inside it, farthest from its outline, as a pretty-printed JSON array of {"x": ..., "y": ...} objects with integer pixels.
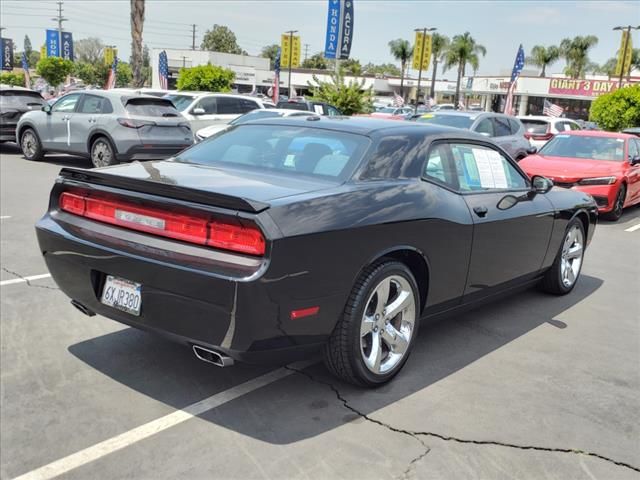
[
  {"x": 343, "y": 354},
  {"x": 102, "y": 153},
  {"x": 31, "y": 145},
  {"x": 553, "y": 281},
  {"x": 615, "y": 214}
]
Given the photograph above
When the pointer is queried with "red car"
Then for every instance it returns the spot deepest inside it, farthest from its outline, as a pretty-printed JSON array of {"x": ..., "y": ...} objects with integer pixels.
[{"x": 605, "y": 165}]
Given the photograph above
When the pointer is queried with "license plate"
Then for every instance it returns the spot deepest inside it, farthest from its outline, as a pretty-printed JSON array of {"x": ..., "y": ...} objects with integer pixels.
[{"x": 122, "y": 294}]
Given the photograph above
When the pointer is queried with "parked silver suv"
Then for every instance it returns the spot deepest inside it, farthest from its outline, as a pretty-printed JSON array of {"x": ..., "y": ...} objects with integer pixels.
[
  {"x": 506, "y": 131},
  {"x": 106, "y": 126}
]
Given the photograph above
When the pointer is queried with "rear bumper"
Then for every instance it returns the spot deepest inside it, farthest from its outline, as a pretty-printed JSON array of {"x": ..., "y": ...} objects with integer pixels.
[
  {"x": 151, "y": 152},
  {"x": 8, "y": 132},
  {"x": 196, "y": 301}
]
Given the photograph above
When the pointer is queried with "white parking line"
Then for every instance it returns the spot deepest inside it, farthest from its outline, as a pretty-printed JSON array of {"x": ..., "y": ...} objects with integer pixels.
[
  {"x": 633, "y": 229},
  {"x": 24, "y": 279},
  {"x": 134, "y": 435}
]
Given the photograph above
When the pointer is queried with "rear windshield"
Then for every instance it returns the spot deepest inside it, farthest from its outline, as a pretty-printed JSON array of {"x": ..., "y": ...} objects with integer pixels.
[
  {"x": 293, "y": 105},
  {"x": 535, "y": 127},
  {"x": 281, "y": 149},
  {"x": 579, "y": 146},
  {"x": 457, "y": 121},
  {"x": 20, "y": 99},
  {"x": 181, "y": 102},
  {"x": 255, "y": 115},
  {"x": 148, "y": 107}
]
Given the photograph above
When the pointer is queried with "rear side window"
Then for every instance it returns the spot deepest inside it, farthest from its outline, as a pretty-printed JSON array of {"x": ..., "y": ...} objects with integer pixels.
[
  {"x": 633, "y": 149},
  {"x": 393, "y": 156},
  {"x": 247, "y": 105},
  {"x": 229, "y": 105},
  {"x": 515, "y": 126},
  {"x": 151, "y": 107},
  {"x": 293, "y": 105},
  {"x": 20, "y": 99},
  {"x": 501, "y": 127},
  {"x": 94, "y": 104},
  {"x": 438, "y": 167}
]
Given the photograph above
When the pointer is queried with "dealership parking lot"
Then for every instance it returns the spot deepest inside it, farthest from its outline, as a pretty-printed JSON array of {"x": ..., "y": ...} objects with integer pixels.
[{"x": 533, "y": 386}]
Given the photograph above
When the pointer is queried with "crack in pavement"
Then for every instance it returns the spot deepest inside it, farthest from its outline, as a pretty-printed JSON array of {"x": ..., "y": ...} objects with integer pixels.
[
  {"x": 27, "y": 281},
  {"x": 446, "y": 438}
]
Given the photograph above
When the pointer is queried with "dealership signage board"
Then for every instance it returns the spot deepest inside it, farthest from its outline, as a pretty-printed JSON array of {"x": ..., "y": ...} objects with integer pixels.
[
  {"x": 6, "y": 53},
  {"x": 582, "y": 88},
  {"x": 339, "y": 29}
]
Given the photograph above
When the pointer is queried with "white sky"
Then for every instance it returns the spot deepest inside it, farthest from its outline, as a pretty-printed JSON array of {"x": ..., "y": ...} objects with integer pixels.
[{"x": 498, "y": 25}]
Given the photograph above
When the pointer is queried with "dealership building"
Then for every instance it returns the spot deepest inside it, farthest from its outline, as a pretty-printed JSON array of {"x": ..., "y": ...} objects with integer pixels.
[{"x": 252, "y": 74}]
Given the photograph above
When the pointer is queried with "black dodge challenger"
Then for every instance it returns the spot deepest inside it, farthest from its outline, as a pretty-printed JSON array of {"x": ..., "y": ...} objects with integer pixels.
[{"x": 279, "y": 237}]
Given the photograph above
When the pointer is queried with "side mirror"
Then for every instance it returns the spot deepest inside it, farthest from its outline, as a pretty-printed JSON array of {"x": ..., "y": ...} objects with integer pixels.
[
  {"x": 198, "y": 111},
  {"x": 46, "y": 109},
  {"x": 532, "y": 150},
  {"x": 541, "y": 184},
  {"x": 635, "y": 160}
]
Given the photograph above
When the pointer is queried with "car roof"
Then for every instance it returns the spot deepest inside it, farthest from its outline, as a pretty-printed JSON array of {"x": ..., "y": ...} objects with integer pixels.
[
  {"x": 4, "y": 86},
  {"x": 362, "y": 125},
  {"x": 544, "y": 117},
  {"x": 598, "y": 133},
  {"x": 455, "y": 113}
]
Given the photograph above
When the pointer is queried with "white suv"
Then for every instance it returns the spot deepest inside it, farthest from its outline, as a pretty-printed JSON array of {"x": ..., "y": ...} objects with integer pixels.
[
  {"x": 202, "y": 109},
  {"x": 539, "y": 129}
]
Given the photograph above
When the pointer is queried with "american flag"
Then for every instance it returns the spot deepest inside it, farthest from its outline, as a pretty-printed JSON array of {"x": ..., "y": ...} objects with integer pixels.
[
  {"x": 515, "y": 73},
  {"x": 398, "y": 101},
  {"x": 163, "y": 70},
  {"x": 111, "y": 79},
  {"x": 25, "y": 67},
  {"x": 551, "y": 109},
  {"x": 276, "y": 79}
]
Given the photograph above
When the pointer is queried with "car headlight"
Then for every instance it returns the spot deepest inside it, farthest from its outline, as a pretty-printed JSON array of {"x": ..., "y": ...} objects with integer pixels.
[{"x": 598, "y": 181}]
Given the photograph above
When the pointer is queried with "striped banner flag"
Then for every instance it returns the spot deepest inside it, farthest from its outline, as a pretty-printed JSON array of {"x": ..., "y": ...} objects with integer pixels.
[
  {"x": 551, "y": 109},
  {"x": 25, "y": 67},
  {"x": 398, "y": 101},
  {"x": 518, "y": 65},
  {"x": 163, "y": 70},
  {"x": 111, "y": 79}
]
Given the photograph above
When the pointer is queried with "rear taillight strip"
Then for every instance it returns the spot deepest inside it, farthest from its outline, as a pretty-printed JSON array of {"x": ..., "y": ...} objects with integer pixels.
[{"x": 196, "y": 229}]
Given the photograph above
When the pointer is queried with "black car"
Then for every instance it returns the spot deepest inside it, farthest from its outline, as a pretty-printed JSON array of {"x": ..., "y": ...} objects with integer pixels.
[
  {"x": 14, "y": 102},
  {"x": 320, "y": 108},
  {"x": 283, "y": 236}
]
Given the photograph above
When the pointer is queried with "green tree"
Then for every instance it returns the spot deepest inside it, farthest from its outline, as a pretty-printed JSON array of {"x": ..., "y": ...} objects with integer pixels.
[
  {"x": 34, "y": 58},
  {"x": 89, "y": 50},
  {"x": 15, "y": 79},
  {"x": 352, "y": 66},
  {"x": 439, "y": 45},
  {"x": 221, "y": 39},
  {"x": 86, "y": 72},
  {"x": 124, "y": 75},
  {"x": 27, "y": 46},
  {"x": 317, "y": 62},
  {"x": 401, "y": 51},
  {"x": 349, "y": 97},
  {"x": 576, "y": 53},
  {"x": 54, "y": 69},
  {"x": 384, "y": 69},
  {"x": 542, "y": 56},
  {"x": 208, "y": 78},
  {"x": 270, "y": 52},
  {"x": 137, "y": 24},
  {"x": 462, "y": 50},
  {"x": 617, "y": 110}
]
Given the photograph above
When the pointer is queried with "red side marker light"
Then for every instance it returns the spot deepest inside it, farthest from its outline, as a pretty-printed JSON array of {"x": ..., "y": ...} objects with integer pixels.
[{"x": 304, "y": 312}]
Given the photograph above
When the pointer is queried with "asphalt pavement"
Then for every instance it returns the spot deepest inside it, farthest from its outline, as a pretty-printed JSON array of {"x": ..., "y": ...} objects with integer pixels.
[{"x": 530, "y": 387}]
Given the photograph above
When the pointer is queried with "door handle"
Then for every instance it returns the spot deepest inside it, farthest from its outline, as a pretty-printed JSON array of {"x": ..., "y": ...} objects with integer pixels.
[{"x": 480, "y": 211}]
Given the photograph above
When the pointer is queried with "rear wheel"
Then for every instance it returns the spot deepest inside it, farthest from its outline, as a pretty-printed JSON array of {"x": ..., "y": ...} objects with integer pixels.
[
  {"x": 563, "y": 274},
  {"x": 102, "y": 153},
  {"x": 618, "y": 205},
  {"x": 30, "y": 145},
  {"x": 373, "y": 339}
]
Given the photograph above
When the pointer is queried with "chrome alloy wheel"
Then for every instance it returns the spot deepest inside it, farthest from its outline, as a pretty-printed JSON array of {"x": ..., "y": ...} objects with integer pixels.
[
  {"x": 387, "y": 324},
  {"x": 572, "y": 252},
  {"x": 101, "y": 154},
  {"x": 29, "y": 144}
]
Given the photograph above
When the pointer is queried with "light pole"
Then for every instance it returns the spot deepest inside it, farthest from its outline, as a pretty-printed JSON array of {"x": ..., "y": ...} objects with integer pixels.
[
  {"x": 290, "y": 32},
  {"x": 424, "y": 37},
  {"x": 628, "y": 29}
]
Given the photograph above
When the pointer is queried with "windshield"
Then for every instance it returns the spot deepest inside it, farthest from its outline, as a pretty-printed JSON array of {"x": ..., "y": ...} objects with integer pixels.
[
  {"x": 181, "y": 102},
  {"x": 281, "y": 149},
  {"x": 151, "y": 108},
  {"x": 20, "y": 99},
  {"x": 457, "y": 121},
  {"x": 255, "y": 115},
  {"x": 578, "y": 146}
]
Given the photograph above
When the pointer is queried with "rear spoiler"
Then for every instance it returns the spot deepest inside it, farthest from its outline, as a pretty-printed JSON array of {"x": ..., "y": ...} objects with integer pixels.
[{"x": 162, "y": 189}]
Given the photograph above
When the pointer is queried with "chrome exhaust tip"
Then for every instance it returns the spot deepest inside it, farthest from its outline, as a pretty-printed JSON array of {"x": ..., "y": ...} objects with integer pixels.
[
  {"x": 211, "y": 356},
  {"x": 87, "y": 311}
]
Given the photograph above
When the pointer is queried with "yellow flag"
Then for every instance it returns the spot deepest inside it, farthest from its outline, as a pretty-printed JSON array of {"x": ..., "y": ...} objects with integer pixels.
[
  {"x": 289, "y": 49},
  {"x": 109, "y": 54},
  {"x": 624, "y": 55},
  {"x": 422, "y": 48},
  {"x": 43, "y": 51}
]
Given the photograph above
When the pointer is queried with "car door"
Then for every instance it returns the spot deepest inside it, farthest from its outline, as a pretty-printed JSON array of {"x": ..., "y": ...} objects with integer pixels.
[
  {"x": 510, "y": 238},
  {"x": 633, "y": 173},
  {"x": 85, "y": 120},
  {"x": 57, "y": 133},
  {"x": 204, "y": 113}
]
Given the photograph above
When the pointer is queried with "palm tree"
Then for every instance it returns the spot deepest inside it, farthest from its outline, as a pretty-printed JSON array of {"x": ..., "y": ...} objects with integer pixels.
[
  {"x": 463, "y": 49},
  {"x": 137, "y": 22},
  {"x": 542, "y": 56},
  {"x": 576, "y": 52},
  {"x": 439, "y": 44},
  {"x": 402, "y": 51}
]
